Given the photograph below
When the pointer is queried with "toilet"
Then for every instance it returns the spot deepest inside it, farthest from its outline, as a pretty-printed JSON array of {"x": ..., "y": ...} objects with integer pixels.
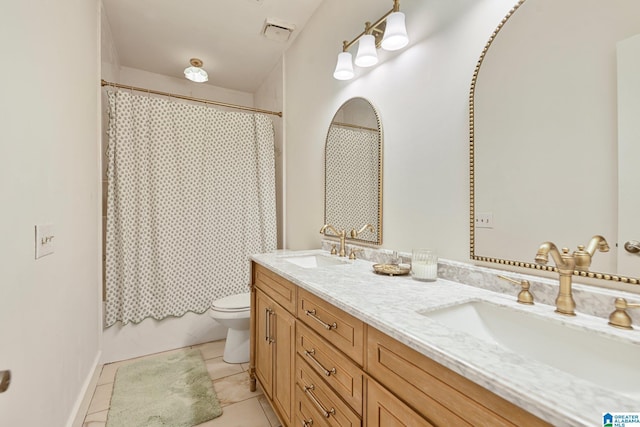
[{"x": 234, "y": 312}]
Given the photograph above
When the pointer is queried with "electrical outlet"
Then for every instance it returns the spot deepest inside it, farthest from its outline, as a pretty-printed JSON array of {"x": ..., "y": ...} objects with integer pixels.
[{"x": 484, "y": 220}]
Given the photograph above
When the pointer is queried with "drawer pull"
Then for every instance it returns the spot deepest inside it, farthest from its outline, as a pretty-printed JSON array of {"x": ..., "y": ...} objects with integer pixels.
[
  {"x": 312, "y": 314},
  {"x": 267, "y": 325},
  {"x": 307, "y": 423},
  {"x": 309, "y": 391},
  {"x": 310, "y": 354}
]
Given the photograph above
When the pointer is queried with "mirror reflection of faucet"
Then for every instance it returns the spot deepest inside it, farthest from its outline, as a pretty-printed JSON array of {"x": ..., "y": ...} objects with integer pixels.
[
  {"x": 583, "y": 256},
  {"x": 355, "y": 233}
]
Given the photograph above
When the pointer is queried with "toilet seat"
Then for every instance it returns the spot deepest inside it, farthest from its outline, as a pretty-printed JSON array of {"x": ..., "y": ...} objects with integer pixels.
[{"x": 233, "y": 303}]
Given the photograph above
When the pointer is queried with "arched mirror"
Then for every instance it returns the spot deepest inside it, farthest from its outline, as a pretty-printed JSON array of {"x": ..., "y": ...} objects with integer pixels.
[
  {"x": 554, "y": 135},
  {"x": 353, "y": 170}
]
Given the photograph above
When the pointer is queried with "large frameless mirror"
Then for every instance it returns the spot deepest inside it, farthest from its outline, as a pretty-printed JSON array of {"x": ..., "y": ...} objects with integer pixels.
[
  {"x": 353, "y": 171},
  {"x": 555, "y": 135}
]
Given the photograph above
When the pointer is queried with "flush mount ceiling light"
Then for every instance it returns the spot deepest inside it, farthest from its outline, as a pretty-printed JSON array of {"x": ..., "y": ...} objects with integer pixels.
[
  {"x": 388, "y": 32},
  {"x": 195, "y": 73}
]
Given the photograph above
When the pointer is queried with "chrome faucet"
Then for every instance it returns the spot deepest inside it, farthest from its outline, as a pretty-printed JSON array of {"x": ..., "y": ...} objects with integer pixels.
[
  {"x": 565, "y": 263},
  {"x": 341, "y": 234},
  {"x": 583, "y": 256}
]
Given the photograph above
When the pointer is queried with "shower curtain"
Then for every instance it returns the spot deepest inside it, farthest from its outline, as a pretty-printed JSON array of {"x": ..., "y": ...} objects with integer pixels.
[{"x": 191, "y": 195}]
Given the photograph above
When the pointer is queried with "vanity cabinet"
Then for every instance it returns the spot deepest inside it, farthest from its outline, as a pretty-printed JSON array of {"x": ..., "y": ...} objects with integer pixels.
[
  {"x": 320, "y": 366},
  {"x": 273, "y": 339},
  {"x": 437, "y": 393}
]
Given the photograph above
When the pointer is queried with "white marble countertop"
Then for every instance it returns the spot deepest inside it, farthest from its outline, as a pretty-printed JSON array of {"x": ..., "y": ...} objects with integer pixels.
[{"x": 393, "y": 305}]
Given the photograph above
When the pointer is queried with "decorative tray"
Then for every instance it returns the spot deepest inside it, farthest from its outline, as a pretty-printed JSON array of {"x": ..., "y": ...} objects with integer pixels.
[{"x": 391, "y": 269}]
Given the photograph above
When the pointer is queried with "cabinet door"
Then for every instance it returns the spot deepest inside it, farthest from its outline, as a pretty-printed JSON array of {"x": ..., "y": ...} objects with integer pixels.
[
  {"x": 284, "y": 332},
  {"x": 263, "y": 341},
  {"x": 385, "y": 410}
]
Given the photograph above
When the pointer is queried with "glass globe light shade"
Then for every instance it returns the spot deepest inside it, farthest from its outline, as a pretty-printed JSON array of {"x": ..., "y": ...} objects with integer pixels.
[
  {"x": 344, "y": 67},
  {"x": 395, "y": 34},
  {"x": 196, "y": 74},
  {"x": 367, "y": 55}
]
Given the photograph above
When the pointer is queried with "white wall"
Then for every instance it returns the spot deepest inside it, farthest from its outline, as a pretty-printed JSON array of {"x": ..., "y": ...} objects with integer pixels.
[
  {"x": 49, "y": 308},
  {"x": 269, "y": 96},
  {"x": 422, "y": 95}
]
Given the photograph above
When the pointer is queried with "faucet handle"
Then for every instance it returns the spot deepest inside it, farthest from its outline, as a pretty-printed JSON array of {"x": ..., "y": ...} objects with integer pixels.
[
  {"x": 524, "y": 296},
  {"x": 620, "y": 318},
  {"x": 334, "y": 251},
  {"x": 352, "y": 254}
]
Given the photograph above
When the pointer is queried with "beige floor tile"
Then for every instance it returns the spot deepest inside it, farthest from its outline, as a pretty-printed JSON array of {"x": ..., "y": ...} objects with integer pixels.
[
  {"x": 234, "y": 388},
  {"x": 109, "y": 370},
  {"x": 211, "y": 350},
  {"x": 218, "y": 368},
  {"x": 99, "y": 419},
  {"x": 247, "y": 413},
  {"x": 101, "y": 399},
  {"x": 268, "y": 411},
  {"x": 245, "y": 366}
]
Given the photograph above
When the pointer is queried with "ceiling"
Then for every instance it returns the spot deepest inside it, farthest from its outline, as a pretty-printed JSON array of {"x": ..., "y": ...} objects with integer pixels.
[{"x": 161, "y": 36}]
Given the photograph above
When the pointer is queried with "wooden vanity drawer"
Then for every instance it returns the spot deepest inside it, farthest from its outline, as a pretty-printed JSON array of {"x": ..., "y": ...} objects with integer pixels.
[
  {"x": 322, "y": 399},
  {"x": 436, "y": 392},
  {"x": 344, "y": 376},
  {"x": 305, "y": 414},
  {"x": 385, "y": 410},
  {"x": 342, "y": 330},
  {"x": 278, "y": 288}
]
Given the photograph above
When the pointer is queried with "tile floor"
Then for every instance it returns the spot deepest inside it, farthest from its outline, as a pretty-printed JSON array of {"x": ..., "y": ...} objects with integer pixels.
[{"x": 240, "y": 407}]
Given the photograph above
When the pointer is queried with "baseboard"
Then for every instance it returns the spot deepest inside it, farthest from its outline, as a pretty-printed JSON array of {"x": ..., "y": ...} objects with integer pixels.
[{"x": 76, "y": 418}]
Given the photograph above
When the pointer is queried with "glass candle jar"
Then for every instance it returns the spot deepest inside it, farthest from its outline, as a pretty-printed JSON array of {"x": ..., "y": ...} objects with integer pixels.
[{"x": 424, "y": 264}]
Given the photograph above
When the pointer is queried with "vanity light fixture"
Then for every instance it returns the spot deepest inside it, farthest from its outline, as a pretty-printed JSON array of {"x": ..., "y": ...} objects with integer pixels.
[
  {"x": 195, "y": 72},
  {"x": 367, "y": 55},
  {"x": 388, "y": 32}
]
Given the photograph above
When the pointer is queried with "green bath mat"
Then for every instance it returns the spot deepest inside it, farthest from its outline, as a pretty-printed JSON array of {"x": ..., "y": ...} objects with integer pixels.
[{"x": 173, "y": 390}]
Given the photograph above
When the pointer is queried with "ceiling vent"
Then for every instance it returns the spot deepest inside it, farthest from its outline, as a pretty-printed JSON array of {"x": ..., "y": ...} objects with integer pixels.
[{"x": 277, "y": 30}]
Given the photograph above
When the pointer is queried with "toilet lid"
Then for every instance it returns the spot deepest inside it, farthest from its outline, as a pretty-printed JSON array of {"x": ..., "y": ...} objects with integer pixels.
[{"x": 234, "y": 302}]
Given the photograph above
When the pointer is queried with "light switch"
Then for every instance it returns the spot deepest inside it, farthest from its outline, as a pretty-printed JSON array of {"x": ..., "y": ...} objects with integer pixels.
[{"x": 44, "y": 240}]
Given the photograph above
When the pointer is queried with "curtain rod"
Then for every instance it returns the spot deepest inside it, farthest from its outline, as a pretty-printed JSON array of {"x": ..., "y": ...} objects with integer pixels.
[
  {"x": 189, "y": 98},
  {"x": 354, "y": 126}
]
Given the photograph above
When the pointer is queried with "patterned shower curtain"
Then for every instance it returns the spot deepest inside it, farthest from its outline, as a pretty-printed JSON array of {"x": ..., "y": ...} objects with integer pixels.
[{"x": 191, "y": 195}]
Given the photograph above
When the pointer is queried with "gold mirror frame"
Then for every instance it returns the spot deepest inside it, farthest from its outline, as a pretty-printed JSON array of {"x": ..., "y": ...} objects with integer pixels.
[
  {"x": 348, "y": 224},
  {"x": 531, "y": 265}
]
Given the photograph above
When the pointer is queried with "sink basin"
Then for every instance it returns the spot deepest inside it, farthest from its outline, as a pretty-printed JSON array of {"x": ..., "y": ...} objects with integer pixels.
[
  {"x": 315, "y": 261},
  {"x": 604, "y": 360}
]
